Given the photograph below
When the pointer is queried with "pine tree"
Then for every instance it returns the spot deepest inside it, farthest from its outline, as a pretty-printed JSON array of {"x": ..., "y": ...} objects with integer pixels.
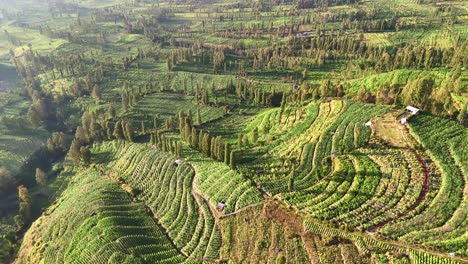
[
  {"x": 95, "y": 132},
  {"x": 181, "y": 124},
  {"x": 188, "y": 134},
  {"x": 179, "y": 149},
  {"x": 85, "y": 155},
  {"x": 255, "y": 135},
  {"x": 110, "y": 112},
  {"x": 205, "y": 98},
  {"x": 96, "y": 92},
  {"x": 119, "y": 131},
  {"x": 109, "y": 129},
  {"x": 194, "y": 138},
  {"x": 74, "y": 152},
  {"x": 213, "y": 147},
  {"x": 57, "y": 143},
  {"x": 462, "y": 114},
  {"x": 143, "y": 129},
  {"x": 80, "y": 135},
  {"x": 128, "y": 132},
  {"x": 207, "y": 144},
  {"x": 226, "y": 153},
  {"x": 125, "y": 103},
  {"x": 245, "y": 140},
  {"x": 24, "y": 213},
  {"x": 291, "y": 180},
  {"x": 199, "y": 118},
  {"x": 232, "y": 162},
  {"x": 23, "y": 194},
  {"x": 155, "y": 123}
]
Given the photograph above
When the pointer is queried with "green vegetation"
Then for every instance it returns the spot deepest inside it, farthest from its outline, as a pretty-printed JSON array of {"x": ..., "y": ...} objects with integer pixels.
[
  {"x": 233, "y": 132},
  {"x": 95, "y": 222}
]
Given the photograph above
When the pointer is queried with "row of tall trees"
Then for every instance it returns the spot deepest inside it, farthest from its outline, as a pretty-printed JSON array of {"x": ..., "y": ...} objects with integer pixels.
[{"x": 212, "y": 146}]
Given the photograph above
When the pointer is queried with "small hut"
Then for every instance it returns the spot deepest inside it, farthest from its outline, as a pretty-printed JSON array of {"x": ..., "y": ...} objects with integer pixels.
[
  {"x": 412, "y": 110},
  {"x": 220, "y": 206}
]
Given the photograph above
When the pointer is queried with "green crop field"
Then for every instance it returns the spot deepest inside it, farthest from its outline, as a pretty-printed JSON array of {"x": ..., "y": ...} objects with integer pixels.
[{"x": 299, "y": 131}]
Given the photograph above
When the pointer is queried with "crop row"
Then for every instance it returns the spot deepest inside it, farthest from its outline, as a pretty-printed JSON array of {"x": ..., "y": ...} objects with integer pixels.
[
  {"x": 444, "y": 219},
  {"x": 94, "y": 221},
  {"x": 167, "y": 190}
]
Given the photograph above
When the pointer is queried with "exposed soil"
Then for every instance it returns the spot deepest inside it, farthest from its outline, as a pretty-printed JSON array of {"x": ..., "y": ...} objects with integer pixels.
[{"x": 387, "y": 128}]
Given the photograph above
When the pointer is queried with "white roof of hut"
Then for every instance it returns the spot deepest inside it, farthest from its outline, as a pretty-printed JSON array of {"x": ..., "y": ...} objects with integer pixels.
[{"x": 412, "y": 109}]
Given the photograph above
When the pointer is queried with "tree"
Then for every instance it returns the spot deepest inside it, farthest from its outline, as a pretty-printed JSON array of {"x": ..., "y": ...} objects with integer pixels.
[
  {"x": 24, "y": 213},
  {"x": 232, "y": 162},
  {"x": 194, "y": 137},
  {"x": 38, "y": 112},
  {"x": 418, "y": 92},
  {"x": 118, "y": 131},
  {"x": 6, "y": 180},
  {"x": 74, "y": 152},
  {"x": 205, "y": 97},
  {"x": 291, "y": 180},
  {"x": 85, "y": 155},
  {"x": 128, "y": 131},
  {"x": 226, "y": 153},
  {"x": 41, "y": 177},
  {"x": 239, "y": 141},
  {"x": 199, "y": 118},
  {"x": 125, "y": 102},
  {"x": 255, "y": 135},
  {"x": 143, "y": 129},
  {"x": 462, "y": 114},
  {"x": 58, "y": 143},
  {"x": 107, "y": 127},
  {"x": 363, "y": 96},
  {"x": 80, "y": 135},
  {"x": 110, "y": 112},
  {"x": 96, "y": 92},
  {"x": 245, "y": 140}
]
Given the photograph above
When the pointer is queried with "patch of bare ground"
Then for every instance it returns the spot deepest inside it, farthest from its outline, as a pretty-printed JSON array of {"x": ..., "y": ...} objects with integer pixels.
[{"x": 387, "y": 128}]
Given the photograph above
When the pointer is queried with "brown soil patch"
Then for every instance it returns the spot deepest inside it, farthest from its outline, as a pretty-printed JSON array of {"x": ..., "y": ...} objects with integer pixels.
[{"x": 387, "y": 128}]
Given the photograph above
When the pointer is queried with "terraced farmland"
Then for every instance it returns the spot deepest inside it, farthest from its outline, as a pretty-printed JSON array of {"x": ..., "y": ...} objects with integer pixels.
[
  {"x": 94, "y": 221},
  {"x": 335, "y": 127},
  {"x": 299, "y": 131}
]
